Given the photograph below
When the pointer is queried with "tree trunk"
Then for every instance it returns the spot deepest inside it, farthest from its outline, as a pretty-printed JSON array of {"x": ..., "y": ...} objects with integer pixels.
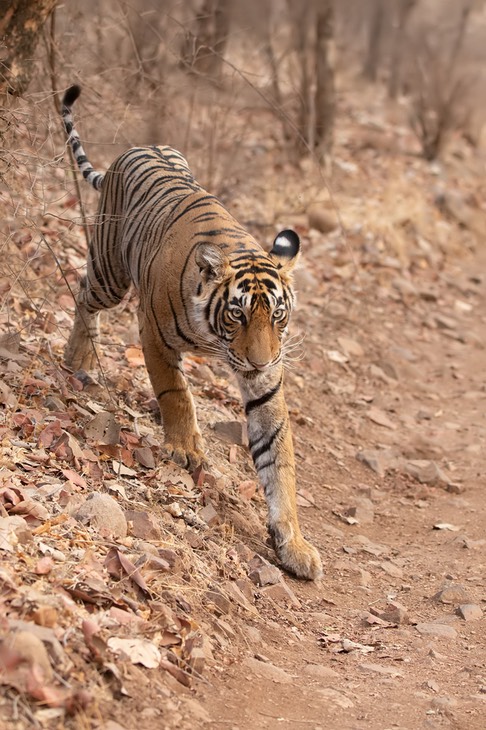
[
  {"x": 325, "y": 94},
  {"x": 20, "y": 24},
  {"x": 374, "y": 41},
  {"x": 404, "y": 10},
  {"x": 203, "y": 50}
]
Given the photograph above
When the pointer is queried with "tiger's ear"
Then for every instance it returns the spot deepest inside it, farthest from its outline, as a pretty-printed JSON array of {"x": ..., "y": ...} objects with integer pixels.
[
  {"x": 213, "y": 264},
  {"x": 285, "y": 251}
]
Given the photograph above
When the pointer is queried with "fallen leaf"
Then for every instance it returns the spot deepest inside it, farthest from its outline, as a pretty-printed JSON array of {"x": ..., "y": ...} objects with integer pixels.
[{"x": 138, "y": 651}]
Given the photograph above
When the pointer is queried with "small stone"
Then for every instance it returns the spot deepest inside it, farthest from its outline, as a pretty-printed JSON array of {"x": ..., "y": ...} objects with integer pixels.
[
  {"x": 350, "y": 347},
  {"x": 104, "y": 514},
  {"x": 239, "y": 597},
  {"x": 425, "y": 472},
  {"x": 262, "y": 573},
  {"x": 197, "y": 660},
  {"x": 157, "y": 564},
  {"x": 219, "y": 601},
  {"x": 363, "y": 511},
  {"x": 30, "y": 650},
  {"x": 171, "y": 557},
  {"x": 444, "y": 704},
  {"x": 452, "y": 593},
  {"x": 53, "y": 403},
  {"x": 470, "y": 612},
  {"x": 379, "y": 669},
  {"x": 319, "y": 671},
  {"x": 209, "y": 515},
  {"x": 440, "y": 631},
  {"x": 233, "y": 432},
  {"x": 143, "y": 525},
  {"x": 380, "y": 418},
  {"x": 267, "y": 671},
  {"x": 45, "y": 616},
  {"x": 374, "y": 459},
  {"x": 281, "y": 593},
  {"x": 174, "y": 509},
  {"x": 391, "y": 569},
  {"x": 394, "y": 613}
]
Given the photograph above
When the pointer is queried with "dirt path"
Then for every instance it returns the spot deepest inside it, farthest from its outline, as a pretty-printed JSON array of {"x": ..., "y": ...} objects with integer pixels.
[{"x": 421, "y": 374}]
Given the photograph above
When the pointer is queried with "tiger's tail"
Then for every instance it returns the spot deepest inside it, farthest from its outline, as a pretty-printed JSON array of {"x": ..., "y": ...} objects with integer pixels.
[{"x": 89, "y": 173}]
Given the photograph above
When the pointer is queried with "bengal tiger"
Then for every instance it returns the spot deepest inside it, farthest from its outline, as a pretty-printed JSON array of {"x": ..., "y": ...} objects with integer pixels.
[{"x": 205, "y": 286}]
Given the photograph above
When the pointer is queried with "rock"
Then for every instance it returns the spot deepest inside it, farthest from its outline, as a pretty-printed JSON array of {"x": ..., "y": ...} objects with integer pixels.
[
  {"x": 233, "y": 432},
  {"x": 262, "y": 573},
  {"x": 379, "y": 669},
  {"x": 394, "y": 613},
  {"x": 281, "y": 593},
  {"x": 319, "y": 671},
  {"x": 374, "y": 459},
  {"x": 445, "y": 323},
  {"x": 239, "y": 597},
  {"x": 157, "y": 564},
  {"x": 219, "y": 601},
  {"x": 53, "y": 403},
  {"x": 209, "y": 515},
  {"x": 197, "y": 660},
  {"x": 426, "y": 472},
  {"x": 267, "y": 671},
  {"x": 440, "y": 631},
  {"x": 29, "y": 650},
  {"x": 452, "y": 593},
  {"x": 380, "y": 418},
  {"x": 104, "y": 514},
  {"x": 350, "y": 347},
  {"x": 363, "y": 511},
  {"x": 253, "y": 635},
  {"x": 143, "y": 525},
  {"x": 171, "y": 557},
  {"x": 391, "y": 569},
  {"x": 470, "y": 612},
  {"x": 443, "y": 704},
  {"x": 45, "y": 616}
]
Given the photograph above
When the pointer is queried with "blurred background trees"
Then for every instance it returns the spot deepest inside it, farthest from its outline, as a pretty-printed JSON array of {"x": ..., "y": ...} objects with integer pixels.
[{"x": 182, "y": 66}]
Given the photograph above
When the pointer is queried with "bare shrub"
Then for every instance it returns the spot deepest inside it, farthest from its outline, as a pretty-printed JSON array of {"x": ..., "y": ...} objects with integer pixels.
[{"x": 440, "y": 83}]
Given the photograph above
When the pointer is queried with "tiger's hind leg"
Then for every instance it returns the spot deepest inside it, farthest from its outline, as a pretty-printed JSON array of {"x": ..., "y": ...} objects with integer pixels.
[
  {"x": 80, "y": 352},
  {"x": 183, "y": 441}
]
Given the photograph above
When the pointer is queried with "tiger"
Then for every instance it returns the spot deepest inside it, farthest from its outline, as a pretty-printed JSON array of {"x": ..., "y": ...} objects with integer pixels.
[{"x": 204, "y": 286}]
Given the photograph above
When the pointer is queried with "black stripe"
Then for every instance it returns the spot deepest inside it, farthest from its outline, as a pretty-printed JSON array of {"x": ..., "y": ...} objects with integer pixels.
[
  {"x": 257, "y": 402},
  {"x": 267, "y": 446},
  {"x": 169, "y": 390},
  {"x": 265, "y": 466},
  {"x": 178, "y": 329}
]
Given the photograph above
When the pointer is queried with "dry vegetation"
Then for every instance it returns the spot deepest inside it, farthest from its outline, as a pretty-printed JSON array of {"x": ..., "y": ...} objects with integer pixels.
[{"x": 386, "y": 204}]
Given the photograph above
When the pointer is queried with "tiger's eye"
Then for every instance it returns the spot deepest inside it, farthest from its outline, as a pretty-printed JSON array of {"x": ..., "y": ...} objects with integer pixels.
[
  {"x": 237, "y": 314},
  {"x": 278, "y": 315}
]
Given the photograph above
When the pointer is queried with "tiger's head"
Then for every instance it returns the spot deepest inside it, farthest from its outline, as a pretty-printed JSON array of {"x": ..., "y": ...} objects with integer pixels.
[{"x": 245, "y": 299}]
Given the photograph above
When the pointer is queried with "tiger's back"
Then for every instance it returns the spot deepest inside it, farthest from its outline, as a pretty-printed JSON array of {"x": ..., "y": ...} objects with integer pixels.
[{"x": 205, "y": 285}]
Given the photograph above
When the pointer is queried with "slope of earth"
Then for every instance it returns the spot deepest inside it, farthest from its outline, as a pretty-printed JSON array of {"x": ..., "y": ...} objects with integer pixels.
[
  {"x": 135, "y": 594},
  {"x": 395, "y": 636}
]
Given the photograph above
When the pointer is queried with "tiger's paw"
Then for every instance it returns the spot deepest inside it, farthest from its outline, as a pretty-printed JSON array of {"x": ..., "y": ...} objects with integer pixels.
[
  {"x": 187, "y": 457},
  {"x": 81, "y": 355},
  {"x": 299, "y": 557}
]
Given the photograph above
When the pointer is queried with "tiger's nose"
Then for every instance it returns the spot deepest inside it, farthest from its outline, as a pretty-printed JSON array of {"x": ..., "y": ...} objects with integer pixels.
[{"x": 259, "y": 365}]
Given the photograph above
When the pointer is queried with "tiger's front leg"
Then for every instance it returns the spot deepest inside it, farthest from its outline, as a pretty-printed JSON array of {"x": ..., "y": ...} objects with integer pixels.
[
  {"x": 183, "y": 441},
  {"x": 271, "y": 447}
]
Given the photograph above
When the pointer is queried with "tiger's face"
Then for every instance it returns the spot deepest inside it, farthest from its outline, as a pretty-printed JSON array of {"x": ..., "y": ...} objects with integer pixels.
[{"x": 246, "y": 299}]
